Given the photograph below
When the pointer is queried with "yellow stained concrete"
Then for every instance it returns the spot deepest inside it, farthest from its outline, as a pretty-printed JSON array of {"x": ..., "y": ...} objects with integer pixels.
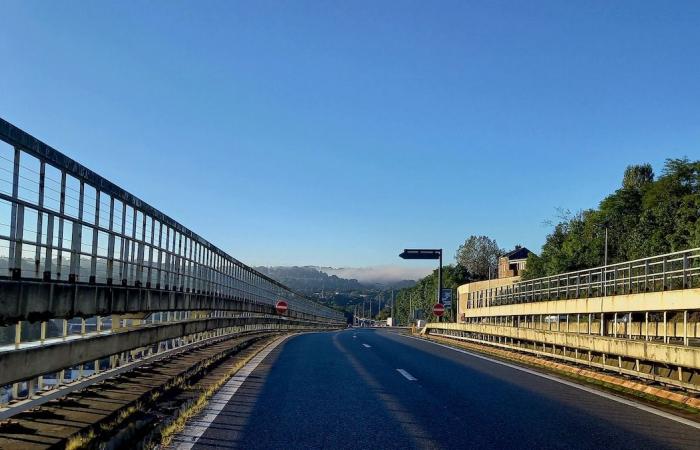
[
  {"x": 678, "y": 300},
  {"x": 676, "y": 355}
]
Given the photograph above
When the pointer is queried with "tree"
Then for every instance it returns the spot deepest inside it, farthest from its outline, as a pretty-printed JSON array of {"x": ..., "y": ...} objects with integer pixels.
[
  {"x": 637, "y": 176},
  {"x": 422, "y": 296},
  {"x": 645, "y": 217},
  {"x": 479, "y": 256}
]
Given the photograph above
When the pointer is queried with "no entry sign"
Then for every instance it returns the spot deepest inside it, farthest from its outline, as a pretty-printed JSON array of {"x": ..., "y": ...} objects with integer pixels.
[
  {"x": 438, "y": 309},
  {"x": 281, "y": 307}
]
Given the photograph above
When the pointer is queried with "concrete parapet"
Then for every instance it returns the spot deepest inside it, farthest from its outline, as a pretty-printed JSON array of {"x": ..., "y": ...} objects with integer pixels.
[
  {"x": 678, "y": 300},
  {"x": 36, "y": 300},
  {"x": 31, "y": 362},
  {"x": 675, "y": 355}
]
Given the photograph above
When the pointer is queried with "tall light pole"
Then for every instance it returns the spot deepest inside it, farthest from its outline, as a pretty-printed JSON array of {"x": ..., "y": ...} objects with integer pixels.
[{"x": 606, "y": 247}]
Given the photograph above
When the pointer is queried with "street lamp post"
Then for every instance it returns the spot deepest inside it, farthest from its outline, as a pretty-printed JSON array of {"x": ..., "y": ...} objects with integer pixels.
[{"x": 427, "y": 254}]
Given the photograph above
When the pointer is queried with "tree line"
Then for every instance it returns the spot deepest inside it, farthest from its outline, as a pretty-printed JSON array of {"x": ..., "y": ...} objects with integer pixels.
[{"x": 646, "y": 216}]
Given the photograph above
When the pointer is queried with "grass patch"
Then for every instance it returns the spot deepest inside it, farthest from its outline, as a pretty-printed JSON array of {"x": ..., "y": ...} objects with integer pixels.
[{"x": 169, "y": 431}]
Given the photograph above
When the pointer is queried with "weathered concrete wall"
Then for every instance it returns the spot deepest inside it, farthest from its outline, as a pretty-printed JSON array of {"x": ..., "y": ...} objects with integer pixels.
[
  {"x": 464, "y": 290},
  {"x": 676, "y": 355},
  {"x": 31, "y": 362},
  {"x": 35, "y": 300},
  {"x": 652, "y": 329}
]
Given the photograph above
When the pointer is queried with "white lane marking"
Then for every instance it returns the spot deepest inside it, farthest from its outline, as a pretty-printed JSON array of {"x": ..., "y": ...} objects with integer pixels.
[
  {"x": 199, "y": 424},
  {"x": 368, "y": 346},
  {"x": 407, "y": 375},
  {"x": 624, "y": 401}
]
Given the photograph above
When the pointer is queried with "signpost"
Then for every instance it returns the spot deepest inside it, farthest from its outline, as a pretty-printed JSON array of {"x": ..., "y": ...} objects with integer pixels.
[
  {"x": 281, "y": 307},
  {"x": 446, "y": 297},
  {"x": 438, "y": 309},
  {"x": 427, "y": 253}
]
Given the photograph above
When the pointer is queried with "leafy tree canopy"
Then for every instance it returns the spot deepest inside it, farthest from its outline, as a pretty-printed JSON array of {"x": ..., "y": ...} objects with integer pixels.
[
  {"x": 479, "y": 256},
  {"x": 645, "y": 217}
]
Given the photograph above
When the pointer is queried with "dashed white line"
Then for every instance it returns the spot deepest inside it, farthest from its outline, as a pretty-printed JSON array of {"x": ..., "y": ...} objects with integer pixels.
[
  {"x": 614, "y": 398},
  {"x": 368, "y": 346},
  {"x": 407, "y": 375}
]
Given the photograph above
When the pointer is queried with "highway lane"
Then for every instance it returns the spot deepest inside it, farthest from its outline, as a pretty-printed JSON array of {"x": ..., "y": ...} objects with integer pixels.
[{"x": 375, "y": 389}]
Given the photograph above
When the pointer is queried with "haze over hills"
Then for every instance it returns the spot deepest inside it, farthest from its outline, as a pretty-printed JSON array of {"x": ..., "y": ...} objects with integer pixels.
[{"x": 326, "y": 281}]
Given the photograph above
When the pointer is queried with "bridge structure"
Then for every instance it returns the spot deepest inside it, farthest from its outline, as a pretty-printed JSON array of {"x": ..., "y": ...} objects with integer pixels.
[
  {"x": 95, "y": 281},
  {"x": 637, "y": 318}
]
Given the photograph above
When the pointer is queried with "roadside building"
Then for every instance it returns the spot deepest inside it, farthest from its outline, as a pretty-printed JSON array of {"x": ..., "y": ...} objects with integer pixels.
[
  {"x": 513, "y": 263},
  {"x": 510, "y": 268}
]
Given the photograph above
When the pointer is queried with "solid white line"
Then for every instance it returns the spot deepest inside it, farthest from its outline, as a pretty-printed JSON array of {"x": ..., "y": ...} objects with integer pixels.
[
  {"x": 199, "y": 424},
  {"x": 615, "y": 398},
  {"x": 368, "y": 346},
  {"x": 407, "y": 375}
]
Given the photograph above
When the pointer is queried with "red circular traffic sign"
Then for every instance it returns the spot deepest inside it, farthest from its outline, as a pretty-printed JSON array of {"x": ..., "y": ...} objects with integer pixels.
[
  {"x": 438, "y": 309},
  {"x": 281, "y": 307}
]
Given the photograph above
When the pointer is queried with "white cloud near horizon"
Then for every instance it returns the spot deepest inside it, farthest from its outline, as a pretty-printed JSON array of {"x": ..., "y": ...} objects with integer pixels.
[{"x": 379, "y": 274}]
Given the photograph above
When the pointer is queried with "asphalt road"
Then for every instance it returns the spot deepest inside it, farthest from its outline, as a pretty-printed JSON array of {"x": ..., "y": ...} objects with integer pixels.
[{"x": 343, "y": 390}]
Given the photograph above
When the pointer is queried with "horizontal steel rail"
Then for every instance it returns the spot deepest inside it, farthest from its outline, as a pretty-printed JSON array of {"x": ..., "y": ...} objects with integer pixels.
[
  {"x": 22, "y": 364},
  {"x": 677, "y": 270},
  {"x": 62, "y": 222},
  {"x": 651, "y": 360}
]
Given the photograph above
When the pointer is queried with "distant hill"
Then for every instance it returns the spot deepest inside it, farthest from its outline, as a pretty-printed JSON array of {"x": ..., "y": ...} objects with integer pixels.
[
  {"x": 309, "y": 280},
  {"x": 312, "y": 280}
]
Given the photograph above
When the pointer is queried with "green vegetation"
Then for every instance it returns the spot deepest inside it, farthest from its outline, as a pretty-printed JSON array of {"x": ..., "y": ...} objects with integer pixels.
[
  {"x": 479, "y": 256},
  {"x": 645, "y": 217},
  {"x": 309, "y": 280},
  {"x": 417, "y": 301}
]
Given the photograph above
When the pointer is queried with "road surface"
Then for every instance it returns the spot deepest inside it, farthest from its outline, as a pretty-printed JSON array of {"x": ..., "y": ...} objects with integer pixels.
[{"x": 376, "y": 389}]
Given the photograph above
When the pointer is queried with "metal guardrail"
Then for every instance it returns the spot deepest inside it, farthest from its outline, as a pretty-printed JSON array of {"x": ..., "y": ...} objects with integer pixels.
[
  {"x": 60, "y": 221},
  {"x": 678, "y": 270}
]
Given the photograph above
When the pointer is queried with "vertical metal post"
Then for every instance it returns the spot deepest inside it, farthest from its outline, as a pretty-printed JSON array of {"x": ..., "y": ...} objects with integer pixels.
[
  {"x": 39, "y": 220},
  {"x": 606, "y": 247},
  {"x": 76, "y": 239},
  {"x": 665, "y": 330},
  {"x": 439, "y": 295},
  {"x": 95, "y": 233},
  {"x": 123, "y": 249},
  {"x": 141, "y": 249},
  {"x": 62, "y": 210},
  {"x": 15, "y": 253},
  {"x": 150, "y": 240},
  {"x": 49, "y": 247},
  {"x": 590, "y": 322},
  {"x": 646, "y": 325},
  {"x": 110, "y": 243}
]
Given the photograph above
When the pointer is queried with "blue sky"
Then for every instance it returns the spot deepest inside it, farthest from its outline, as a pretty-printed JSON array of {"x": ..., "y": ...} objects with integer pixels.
[{"x": 338, "y": 133}]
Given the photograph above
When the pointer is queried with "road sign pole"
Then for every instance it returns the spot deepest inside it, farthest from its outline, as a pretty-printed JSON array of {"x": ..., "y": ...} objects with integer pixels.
[{"x": 440, "y": 281}]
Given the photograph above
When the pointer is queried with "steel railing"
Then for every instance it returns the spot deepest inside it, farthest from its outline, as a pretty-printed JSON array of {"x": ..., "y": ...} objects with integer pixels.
[
  {"x": 60, "y": 221},
  {"x": 678, "y": 270}
]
